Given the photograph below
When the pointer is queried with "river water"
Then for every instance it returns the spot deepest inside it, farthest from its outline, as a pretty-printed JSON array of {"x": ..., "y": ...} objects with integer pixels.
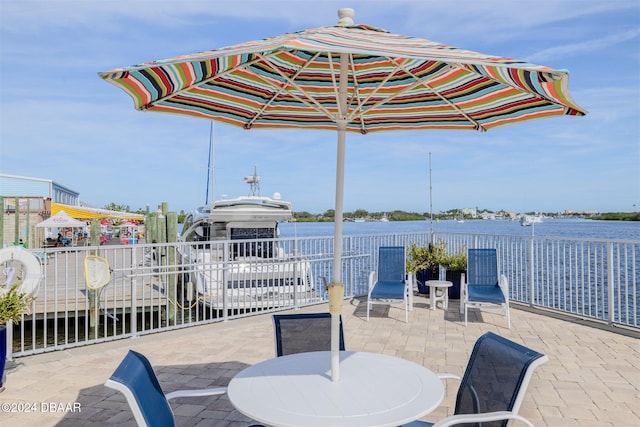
[{"x": 567, "y": 228}]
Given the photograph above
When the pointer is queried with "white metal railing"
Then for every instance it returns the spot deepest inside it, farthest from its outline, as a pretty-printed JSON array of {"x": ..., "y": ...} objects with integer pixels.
[{"x": 150, "y": 289}]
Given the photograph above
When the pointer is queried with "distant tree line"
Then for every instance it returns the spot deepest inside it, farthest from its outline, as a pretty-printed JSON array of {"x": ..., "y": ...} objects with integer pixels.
[
  {"x": 619, "y": 216},
  {"x": 399, "y": 215},
  {"x": 396, "y": 215}
]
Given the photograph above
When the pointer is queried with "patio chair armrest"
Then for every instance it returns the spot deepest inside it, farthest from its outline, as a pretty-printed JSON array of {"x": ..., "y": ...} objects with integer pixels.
[
  {"x": 463, "y": 283},
  {"x": 411, "y": 282},
  {"x": 448, "y": 376},
  {"x": 463, "y": 292},
  {"x": 196, "y": 393},
  {"x": 480, "y": 418},
  {"x": 504, "y": 285},
  {"x": 373, "y": 277}
]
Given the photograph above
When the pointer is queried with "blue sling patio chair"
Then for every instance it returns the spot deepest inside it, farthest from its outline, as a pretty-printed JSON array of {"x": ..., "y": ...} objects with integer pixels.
[
  {"x": 390, "y": 284},
  {"x": 484, "y": 286},
  {"x": 493, "y": 386},
  {"x": 303, "y": 332},
  {"x": 135, "y": 378}
]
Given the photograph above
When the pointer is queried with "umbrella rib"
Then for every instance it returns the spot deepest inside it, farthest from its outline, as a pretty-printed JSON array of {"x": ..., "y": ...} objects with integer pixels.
[
  {"x": 318, "y": 107},
  {"x": 355, "y": 96},
  {"x": 418, "y": 82},
  {"x": 477, "y": 125},
  {"x": 336, "y": 90},
  {"x": 360, "y": 110},
  {"x": 207, "y": 80},
  {"x": 356, "y": 91},
  {"x": 341, "y": 114},
  {"x": 280, "y": 89}
]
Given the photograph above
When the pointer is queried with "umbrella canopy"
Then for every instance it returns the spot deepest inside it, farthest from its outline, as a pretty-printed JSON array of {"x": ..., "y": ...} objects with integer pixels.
[
  {"x": 393, "y": 82},
  {"x": 61, "y": 220},
  {"x": 348, "y": 78}
]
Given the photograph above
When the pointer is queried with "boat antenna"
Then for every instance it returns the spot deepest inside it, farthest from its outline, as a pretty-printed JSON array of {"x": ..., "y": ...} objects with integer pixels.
[
  {"x": 254, "y": 182},
  {"x": 210, "y": 167},
  {"x": 430, "y": 200}
]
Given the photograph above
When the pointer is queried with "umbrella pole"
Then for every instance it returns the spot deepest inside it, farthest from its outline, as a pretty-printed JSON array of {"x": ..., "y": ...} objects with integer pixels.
[{"x": 336, "y": 288}]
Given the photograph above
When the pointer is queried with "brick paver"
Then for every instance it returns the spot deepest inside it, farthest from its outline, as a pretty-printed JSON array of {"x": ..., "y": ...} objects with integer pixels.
[{"x": 591, "y": 379}]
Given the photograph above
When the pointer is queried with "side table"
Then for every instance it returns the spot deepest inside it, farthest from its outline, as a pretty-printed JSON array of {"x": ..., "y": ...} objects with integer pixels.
[{"x": 439, "y": 291}]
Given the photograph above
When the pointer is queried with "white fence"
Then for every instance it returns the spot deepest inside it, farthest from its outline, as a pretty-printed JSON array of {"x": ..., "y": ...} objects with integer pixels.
[{"x": 151, "y": 290}]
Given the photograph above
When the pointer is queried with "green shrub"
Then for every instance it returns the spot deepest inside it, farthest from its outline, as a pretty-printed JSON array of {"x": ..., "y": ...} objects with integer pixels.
[
  {"x": 425, "y": 257},
  {"x": 456, "y": 262},
  {"x": 12, "y": 304}
]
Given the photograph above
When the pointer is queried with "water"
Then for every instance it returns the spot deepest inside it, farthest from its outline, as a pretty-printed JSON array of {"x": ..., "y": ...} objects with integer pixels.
[
  {"x": 568, "y": 228},
  {"x": 569, "y": 277}
]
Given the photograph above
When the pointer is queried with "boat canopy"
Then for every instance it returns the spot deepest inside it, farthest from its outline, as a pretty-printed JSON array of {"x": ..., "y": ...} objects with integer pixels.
[{"x": 250, "y": 209}]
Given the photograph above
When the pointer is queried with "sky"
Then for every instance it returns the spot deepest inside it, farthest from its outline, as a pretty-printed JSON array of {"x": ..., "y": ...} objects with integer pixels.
[{"x": 60, "y": 121}]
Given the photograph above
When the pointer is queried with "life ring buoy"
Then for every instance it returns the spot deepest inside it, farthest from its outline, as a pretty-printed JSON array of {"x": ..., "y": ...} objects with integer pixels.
[
  {"x": 31, "y": 269},
  {"x": 97, "y": 272}
]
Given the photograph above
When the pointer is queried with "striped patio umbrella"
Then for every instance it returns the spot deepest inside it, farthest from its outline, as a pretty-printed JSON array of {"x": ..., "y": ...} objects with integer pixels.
[{"x": 348, "y": 78}]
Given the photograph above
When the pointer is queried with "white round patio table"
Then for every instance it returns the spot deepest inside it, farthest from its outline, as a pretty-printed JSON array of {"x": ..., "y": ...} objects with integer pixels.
[
  {"x": 373, "y": 390},
  {"x": 442, "y": 286}
]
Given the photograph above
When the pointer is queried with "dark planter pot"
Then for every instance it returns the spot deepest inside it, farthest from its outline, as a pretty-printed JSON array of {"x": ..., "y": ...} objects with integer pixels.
[
  {"x": 454, "y": 277},
  {"x": 422, "y": 276},
  {"x": 3, "y": 352}
]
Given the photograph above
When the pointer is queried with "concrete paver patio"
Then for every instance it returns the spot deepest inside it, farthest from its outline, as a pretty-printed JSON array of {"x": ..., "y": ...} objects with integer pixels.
[{"x": 591, "y": 379}]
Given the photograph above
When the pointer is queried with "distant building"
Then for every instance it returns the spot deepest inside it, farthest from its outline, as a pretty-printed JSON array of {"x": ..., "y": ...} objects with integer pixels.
[
  {"x": 29, "y": 199},
  {"x": 34, "y": 189},
  {"x": 472, "y": 212},
  {"x": 569, "y": 212}
]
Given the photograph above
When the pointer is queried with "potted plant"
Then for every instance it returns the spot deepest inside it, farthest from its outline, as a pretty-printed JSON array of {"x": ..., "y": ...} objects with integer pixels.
[
  {"x": 456, "y": 265},
  {"x": 13, "y": 304},
  {"x": 424, "y": 262}
]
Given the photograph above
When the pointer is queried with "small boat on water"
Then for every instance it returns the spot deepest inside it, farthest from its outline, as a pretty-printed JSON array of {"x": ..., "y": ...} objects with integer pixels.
[
  {"x": 254, "y": 269},
  {"x": 529, "y": 220}
]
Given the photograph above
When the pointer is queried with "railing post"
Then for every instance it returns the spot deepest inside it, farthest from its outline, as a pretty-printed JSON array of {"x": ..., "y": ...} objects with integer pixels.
[
  {"x": 349, "y": 266},
  {"x": 134, "y": 295},
  {"x": 610, "y": 283},
  {"x": 172, "y": 278},
  {"x": 9, "y": 342},
  {"x": 226, "y": 250},
  {"x": 532, "y": 274},
  {"x": 297, "y": 277}
]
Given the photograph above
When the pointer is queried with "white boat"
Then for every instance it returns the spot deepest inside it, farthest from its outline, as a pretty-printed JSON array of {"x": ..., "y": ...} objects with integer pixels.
[
  {"x": 253, "y": 268},
  {"x": 528, "y": 220}
]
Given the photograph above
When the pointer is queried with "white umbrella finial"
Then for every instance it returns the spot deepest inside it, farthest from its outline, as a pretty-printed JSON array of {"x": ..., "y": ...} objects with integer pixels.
[{"x": 346, "y": 15}]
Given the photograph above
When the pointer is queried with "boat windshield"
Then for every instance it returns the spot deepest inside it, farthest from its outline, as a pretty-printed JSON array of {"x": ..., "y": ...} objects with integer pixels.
[
  {"x": 252, "y": 249},
  {"x": 203, "y": 231}
]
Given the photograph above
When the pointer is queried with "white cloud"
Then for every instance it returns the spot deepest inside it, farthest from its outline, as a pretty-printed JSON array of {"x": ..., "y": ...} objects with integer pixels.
[{"x": 584, "y": 47}]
